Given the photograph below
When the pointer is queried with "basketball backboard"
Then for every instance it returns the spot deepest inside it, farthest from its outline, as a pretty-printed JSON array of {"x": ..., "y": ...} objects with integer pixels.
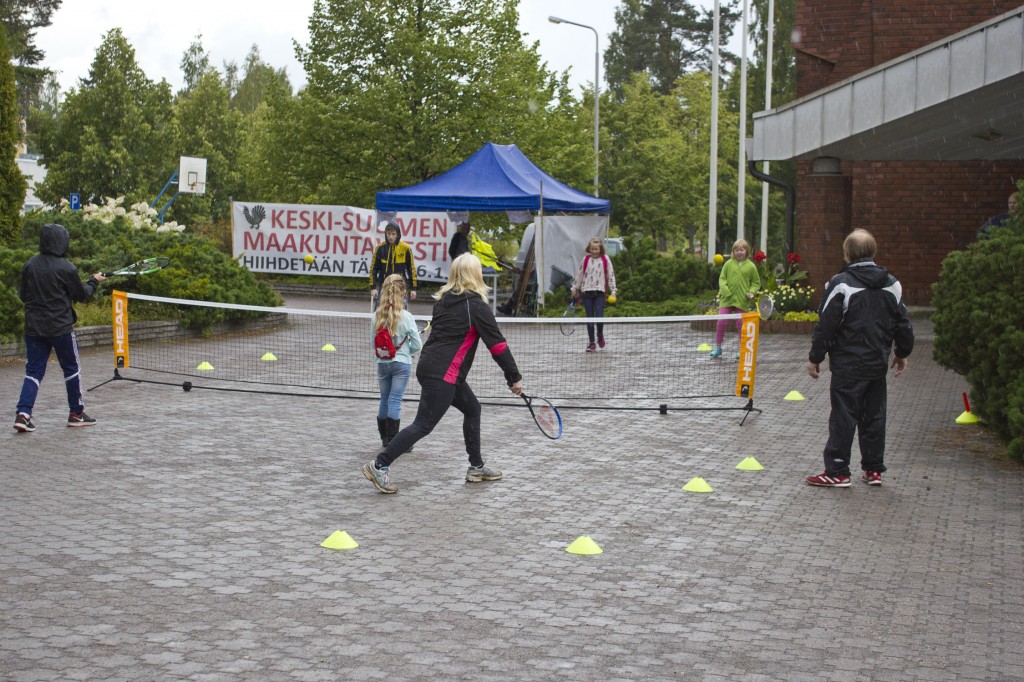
[{"x": 192, "y": 175}]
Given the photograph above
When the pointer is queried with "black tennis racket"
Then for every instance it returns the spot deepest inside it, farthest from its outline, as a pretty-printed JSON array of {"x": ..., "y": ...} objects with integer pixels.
[
  {"x": 142, "y": 267},
  {"x": 566, "y": 328},
  {"x": 545, "y": 415}
]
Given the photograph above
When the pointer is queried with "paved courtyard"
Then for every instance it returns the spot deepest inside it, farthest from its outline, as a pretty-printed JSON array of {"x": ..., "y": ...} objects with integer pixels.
[{"x": 180, "y": 539}]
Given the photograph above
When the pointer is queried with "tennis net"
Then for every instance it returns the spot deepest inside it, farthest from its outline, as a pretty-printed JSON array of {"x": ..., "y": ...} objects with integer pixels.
[{"x": 647, "y": 362}]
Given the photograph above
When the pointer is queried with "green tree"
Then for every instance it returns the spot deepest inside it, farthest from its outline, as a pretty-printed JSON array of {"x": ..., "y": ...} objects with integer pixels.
[
  {"x": 194, "y": 64},
  {"x": 113, "y": 135},
  {"x": 644, "y": 162},
  {"x": 783, "y": 54},
  {"x": 658, "y": 160},
  {"x": 783, "y": 91},
  {"x": 663, "y": 39},
  {"x": 21, "y": 19},
  {"x": 43, "y": 112},
  {"x": 206, "y": 126},
  {"x": 258, "y": 81},
  {"x": 12, "y": 181},
  {"x": 402, "y": 90}
]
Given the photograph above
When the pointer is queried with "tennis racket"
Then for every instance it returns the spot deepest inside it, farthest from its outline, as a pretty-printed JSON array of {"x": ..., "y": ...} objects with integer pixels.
[
  {"x": 570, "y": 311},
  {"x": 765, "y": 306},
  {"x": 545, "y": 415},
  {"x": 142, "y": 267}
]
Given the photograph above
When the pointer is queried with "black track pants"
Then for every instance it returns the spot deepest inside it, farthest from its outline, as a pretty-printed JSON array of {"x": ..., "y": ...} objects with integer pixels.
[
  {"x": 857, "y": 405},
  {"x": 436, "y": 397}
]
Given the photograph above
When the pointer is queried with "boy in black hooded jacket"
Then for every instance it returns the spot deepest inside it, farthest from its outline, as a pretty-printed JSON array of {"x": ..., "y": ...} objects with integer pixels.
[
  {"x": 861, "y": 315},
  {"x": 49, "y": 284}
]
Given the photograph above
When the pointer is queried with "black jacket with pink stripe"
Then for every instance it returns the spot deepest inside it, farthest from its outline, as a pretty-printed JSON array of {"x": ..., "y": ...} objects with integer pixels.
[{"x": 459, "y": 322}]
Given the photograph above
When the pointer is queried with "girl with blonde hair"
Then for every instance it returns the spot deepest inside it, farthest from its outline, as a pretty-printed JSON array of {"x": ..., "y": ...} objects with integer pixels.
[
  {"x": 393, "y": 374},
  {"x": 737, "y": 285},
  {"x": 461, "y": 319}
]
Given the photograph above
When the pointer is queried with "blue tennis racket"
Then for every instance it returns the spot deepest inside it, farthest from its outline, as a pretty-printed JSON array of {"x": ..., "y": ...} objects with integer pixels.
[{"x": 545, "y": 415}]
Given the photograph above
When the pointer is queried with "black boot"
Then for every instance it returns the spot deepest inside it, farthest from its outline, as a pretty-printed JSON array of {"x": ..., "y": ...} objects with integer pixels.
[
  {"x": 382, "y": 427},
  {"x": 394, "y": 426}
]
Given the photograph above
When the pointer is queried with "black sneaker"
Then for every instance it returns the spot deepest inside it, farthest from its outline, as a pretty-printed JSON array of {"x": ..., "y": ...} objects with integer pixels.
[
  {"x": 80, "y": 419},
  {"x": 23, "y": 422}
]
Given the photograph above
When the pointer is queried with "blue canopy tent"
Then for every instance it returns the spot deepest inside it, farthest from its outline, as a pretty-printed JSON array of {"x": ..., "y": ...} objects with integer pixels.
[{"x": 496, "y": 178}]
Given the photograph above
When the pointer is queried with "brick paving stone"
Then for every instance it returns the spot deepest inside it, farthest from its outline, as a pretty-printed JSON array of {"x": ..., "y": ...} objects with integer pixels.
[{"x": 179, "y": 539}]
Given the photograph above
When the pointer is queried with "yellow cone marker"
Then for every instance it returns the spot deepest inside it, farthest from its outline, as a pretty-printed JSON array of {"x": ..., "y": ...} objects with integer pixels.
[
  {"x": 204, "y": 366},
  {"x": 698, "y": 485},
  {"x": 967, "y": 418},
  {"x": 583, "y": 545},
  {"x": 328, "y": 348},
  {"x": 749, "y": 464},
  {"x": 794, "y": 395},
  {"x": 704, "y": 347},
  {"x": 339, "y": 539},
  {"x": 268, "y": 357}
]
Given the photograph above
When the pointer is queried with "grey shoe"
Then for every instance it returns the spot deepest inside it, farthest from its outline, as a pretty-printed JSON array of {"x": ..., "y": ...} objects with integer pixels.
[
  {"x": 381, "y": 478},
  {"x": 482, "y": 473}
]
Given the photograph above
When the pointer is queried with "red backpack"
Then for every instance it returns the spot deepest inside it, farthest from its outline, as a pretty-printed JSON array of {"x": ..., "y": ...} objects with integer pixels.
[{"x": 383, "y": 347}]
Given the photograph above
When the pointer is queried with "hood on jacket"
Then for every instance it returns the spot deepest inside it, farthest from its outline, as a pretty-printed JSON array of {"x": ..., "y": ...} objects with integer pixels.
[
  {"x": 54, "y": 240},
  {"x": 869, "y": 274},
  {"x": 392, "y": 225}
]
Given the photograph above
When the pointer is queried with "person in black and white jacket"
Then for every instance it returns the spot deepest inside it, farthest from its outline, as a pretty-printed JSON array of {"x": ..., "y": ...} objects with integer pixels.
[{"x": 861, "y": 316}]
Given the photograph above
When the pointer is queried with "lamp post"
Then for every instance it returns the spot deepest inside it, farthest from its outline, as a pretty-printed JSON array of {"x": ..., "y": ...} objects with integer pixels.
[{"x": 597, "y": 90}]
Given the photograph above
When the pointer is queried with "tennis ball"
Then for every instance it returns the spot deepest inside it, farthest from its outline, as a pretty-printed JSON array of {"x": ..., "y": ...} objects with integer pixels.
[
  {"x": 612, "y": 299},
  {"x": 308, "y": 258},
  {"x": 718, "y": 259}
]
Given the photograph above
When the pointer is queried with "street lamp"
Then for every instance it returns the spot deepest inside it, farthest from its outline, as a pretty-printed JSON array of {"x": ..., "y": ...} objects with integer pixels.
[{"x": 597, "y": 89}]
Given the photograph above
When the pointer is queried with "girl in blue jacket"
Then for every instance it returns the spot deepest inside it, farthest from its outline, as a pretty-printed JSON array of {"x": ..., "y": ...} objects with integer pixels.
[{"x": 393, "y": 373}]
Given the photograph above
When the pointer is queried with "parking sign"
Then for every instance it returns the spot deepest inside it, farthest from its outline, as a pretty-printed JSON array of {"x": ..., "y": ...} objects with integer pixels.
[{"x": 75, "y": 200}]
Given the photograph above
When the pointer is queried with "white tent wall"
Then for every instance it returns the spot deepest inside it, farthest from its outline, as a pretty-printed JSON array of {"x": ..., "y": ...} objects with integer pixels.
[{"x": 561, "y": 246}]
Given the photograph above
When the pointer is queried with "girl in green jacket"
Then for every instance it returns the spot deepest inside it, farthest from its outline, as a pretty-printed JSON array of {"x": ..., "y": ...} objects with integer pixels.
[{"x": 737, "y": 286}]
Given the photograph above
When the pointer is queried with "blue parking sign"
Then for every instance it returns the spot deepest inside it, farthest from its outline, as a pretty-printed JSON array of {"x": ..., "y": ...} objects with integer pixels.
[{"x": 75, "y": 200}]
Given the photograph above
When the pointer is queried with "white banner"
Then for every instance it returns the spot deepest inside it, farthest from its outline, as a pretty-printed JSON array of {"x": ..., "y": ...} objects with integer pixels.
[{"x": 276, "y": 238}]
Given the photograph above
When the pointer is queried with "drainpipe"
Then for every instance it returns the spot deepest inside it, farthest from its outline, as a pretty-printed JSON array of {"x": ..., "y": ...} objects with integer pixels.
[{"x": 790, "y": 195}]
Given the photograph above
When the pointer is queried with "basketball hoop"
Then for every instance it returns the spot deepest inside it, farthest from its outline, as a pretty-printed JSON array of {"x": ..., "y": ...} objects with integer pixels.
[{"x": 192, "y": 175}]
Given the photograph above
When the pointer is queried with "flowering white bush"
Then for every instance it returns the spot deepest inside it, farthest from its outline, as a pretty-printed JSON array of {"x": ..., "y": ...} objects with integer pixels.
[{"x": 140, "y": 215}]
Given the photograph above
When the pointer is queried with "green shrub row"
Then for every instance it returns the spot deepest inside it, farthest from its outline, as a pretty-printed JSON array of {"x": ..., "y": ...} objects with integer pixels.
[
  {"x": 199, "y": 270},
  {"x": 979, "y": 327}
]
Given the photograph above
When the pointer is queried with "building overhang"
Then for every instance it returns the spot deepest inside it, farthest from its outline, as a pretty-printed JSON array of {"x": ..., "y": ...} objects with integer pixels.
[{"x": 958, "y": 99}]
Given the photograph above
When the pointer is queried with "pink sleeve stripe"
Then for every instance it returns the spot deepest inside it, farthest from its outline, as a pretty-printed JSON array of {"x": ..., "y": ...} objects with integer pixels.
[
  {"x": 452, "y": 375},
  {"x": 498, "y": 348}
]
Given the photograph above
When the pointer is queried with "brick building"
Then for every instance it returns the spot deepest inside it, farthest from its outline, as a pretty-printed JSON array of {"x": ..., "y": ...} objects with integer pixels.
[{"x": 909, "y": 122}]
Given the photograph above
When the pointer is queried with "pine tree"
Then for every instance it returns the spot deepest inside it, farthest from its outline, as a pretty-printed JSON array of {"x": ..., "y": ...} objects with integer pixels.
[
  {"x": 665, "y": 39},
  {"x": 12, "y": 181}
]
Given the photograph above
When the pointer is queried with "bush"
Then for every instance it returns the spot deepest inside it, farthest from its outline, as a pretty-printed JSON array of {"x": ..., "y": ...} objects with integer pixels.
[
  {"x": 643, "y": 274},
  {"x": 979, "y": 327},
  {"x": 198, "y": 270}
]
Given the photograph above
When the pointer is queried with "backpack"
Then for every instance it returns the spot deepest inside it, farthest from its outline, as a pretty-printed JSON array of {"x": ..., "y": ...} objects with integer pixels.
[{"x": 383, "y": 347}]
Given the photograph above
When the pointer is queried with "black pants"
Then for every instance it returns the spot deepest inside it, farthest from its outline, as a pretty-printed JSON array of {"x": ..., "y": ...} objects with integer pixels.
[
  {"x": 593, "y": 306},
  {"x": 857, "y": 405},
  {"x": 436, "y": 396}
]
